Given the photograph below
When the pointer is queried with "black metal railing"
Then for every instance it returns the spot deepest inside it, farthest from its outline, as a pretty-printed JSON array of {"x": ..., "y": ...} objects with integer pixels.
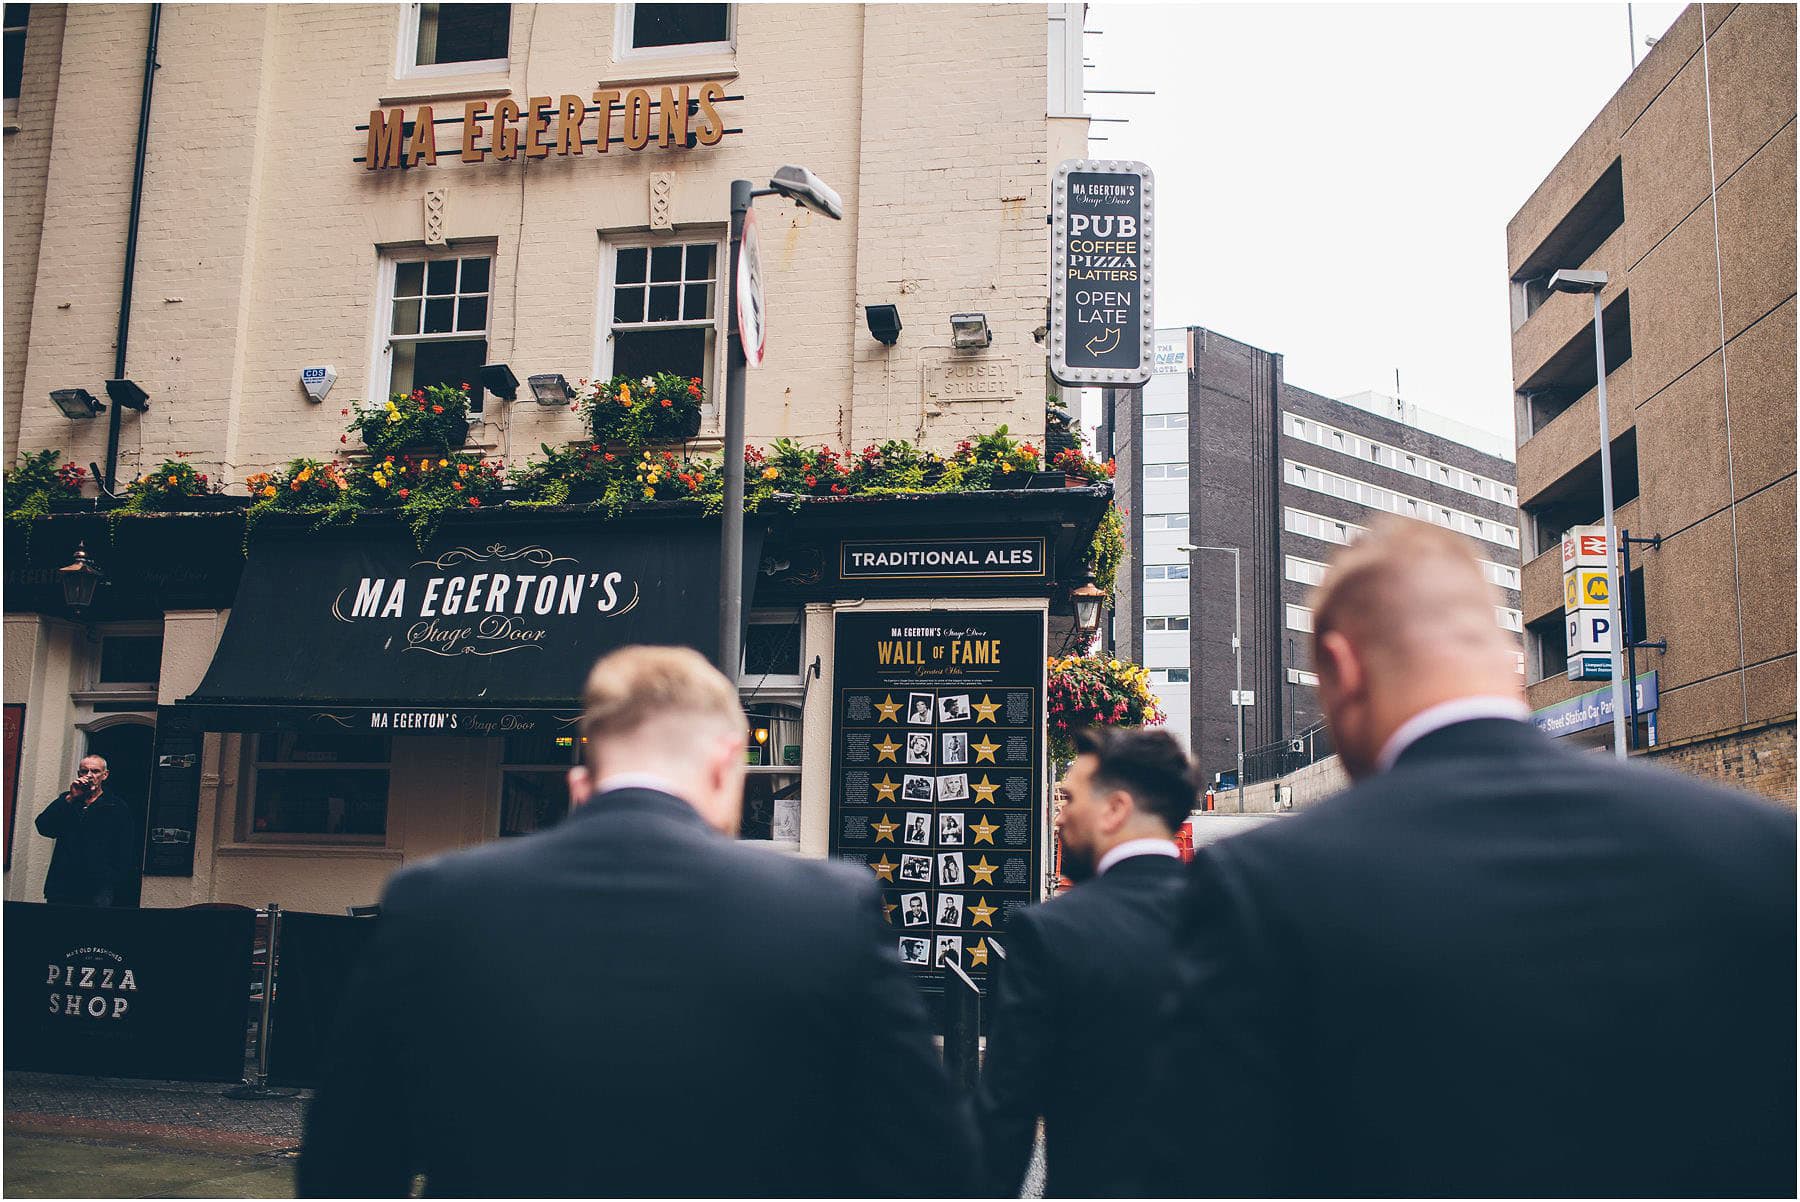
[{"x": 1288, "y": 755}]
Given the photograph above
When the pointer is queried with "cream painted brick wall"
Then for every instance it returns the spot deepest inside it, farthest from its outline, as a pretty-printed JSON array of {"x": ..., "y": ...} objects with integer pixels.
[
  {"x": 928, "y": 119},
  {"x": 24, "y": 168}
]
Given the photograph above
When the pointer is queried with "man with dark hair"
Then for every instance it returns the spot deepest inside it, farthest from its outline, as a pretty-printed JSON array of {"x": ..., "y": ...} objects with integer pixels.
[
  {"x": 1496, "y": 966},
  {"x": 1084, "y": 973}
]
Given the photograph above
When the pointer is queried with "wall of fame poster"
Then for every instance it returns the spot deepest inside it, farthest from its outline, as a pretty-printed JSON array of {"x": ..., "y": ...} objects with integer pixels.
[{"x": 937, "y": 772}]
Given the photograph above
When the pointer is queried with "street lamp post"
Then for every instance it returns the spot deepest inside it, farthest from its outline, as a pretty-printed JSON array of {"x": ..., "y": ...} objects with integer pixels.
[
  {"x": 1593, "y": 283},
  {"x": 1237, "y": 650},
  {"x": 807, "y": 191}
]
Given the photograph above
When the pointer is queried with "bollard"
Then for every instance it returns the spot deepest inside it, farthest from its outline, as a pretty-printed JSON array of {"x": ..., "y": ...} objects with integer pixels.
[
  {"x": 257, "y": 1085},
  {"x": 962, "y": 1026}
]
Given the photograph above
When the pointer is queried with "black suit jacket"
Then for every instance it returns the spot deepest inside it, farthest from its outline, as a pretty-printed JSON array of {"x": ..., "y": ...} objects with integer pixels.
[
  {"x": 1069, "y": 1039},
  {"x": 1504, "y": 968},
  {"x": 629, "y": 1004},
  {"x": 97, "y": 849}
]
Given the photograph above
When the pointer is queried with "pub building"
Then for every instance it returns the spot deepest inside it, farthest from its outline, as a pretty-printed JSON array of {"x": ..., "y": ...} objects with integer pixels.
[{"x": 392, "y": 197}]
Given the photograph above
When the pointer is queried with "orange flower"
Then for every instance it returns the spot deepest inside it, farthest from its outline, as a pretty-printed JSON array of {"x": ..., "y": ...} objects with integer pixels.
[
  {"x": 475, "y": 502},
  {"x": 171, "y": 479},
  {"x": 437, "y": 408},
  {"x": 456, "y": 484},
  {"x": 405, "y": 493}
]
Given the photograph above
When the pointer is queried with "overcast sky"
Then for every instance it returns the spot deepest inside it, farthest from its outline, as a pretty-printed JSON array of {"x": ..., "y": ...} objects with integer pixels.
[{"x": 1335, "y": 179}]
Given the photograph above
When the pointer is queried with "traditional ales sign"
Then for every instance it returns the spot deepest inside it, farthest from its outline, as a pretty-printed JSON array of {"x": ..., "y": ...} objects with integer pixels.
[{"x": 676, "y": 117}]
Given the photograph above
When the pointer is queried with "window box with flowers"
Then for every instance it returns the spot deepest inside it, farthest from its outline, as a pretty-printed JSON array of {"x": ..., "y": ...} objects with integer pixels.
[
  {"x": 39, "y": 484},
  {"x": 645, "y": 411},
  {"x": 434, "y": 419}
]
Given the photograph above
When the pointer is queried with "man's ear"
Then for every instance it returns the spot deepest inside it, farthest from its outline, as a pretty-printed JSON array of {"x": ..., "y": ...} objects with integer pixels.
[
  {"x": 581, "y": 785},
  {"x": 1117, "y": 810},
  {"x": 1339, "y": 664}
]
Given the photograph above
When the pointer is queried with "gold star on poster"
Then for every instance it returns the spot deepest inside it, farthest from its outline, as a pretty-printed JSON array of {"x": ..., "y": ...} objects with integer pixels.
[
  {"x": 890, "y": 710},
  {"x": 978, "y": 954},
  {"x": 885, "y": 829},
  {"x": 984, "y": 790},
  {"x": 887, "y": 912},
  {"x": 884, "y": 788},
  {"x": 982, "y": 873},
  {"x": 986, "y": 708},
  {"x": 985, "y": 750},
  {"x": 884, "y": 868},
  {"x": 984, "y": 831},
  {"x": 981, "y": 914},
  {"x": 887, "y": 747}
]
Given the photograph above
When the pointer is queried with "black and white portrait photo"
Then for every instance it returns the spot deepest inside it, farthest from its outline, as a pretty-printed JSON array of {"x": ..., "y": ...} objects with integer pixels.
[
  {"x": 950, "y": 830},
  {"x": 950, "y": 867},
  {"x": 918, "y": 709},
  {"x": 915, "y": 870},
  {"x": 949, "y": 947},
  {"x": 954, "y": 709},
  {"x": 954, "y": 787},
  {"x": 917, "y": 830},
  {"x": 918, "y": 747},
  {"x": 956, "y": 748},
  {"x": 916, "y": 788},
  {"x": 913, "y": 912},
  {"x": 915, "y": 951},
  {"x": 950, "y": 909}
]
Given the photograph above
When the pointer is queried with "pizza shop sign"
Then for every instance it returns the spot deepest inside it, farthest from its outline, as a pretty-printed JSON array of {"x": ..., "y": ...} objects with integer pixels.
[{"x": 679, "y": 117}]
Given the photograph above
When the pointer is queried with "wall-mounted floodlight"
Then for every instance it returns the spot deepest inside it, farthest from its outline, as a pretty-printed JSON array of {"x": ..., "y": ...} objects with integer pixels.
[
  {"x": 807, "y": 190},
  {"x": 884, "y": 323},
  {"x": 127, "y": 395},
  {"x": 498, "y": 379},
  {"x": 552, "y": 388},
  {"x": 970, "y": 332},
  {"x": 77, "y": 402}
]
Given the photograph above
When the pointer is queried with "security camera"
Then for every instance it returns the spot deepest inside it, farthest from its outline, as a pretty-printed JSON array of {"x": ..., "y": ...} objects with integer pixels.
[{"x": 808, "y": 191}]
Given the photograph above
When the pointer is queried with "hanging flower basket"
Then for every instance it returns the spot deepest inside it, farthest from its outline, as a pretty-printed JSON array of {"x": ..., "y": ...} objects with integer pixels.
[{"x": 434, "y": 420}]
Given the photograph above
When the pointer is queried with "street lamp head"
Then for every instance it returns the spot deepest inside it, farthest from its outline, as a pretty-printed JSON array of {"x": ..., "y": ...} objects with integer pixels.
[
  {"x": 807, "y": 190},
  {"x": 1578, "y": 281},
  {"x": 1187, "y": 547}
]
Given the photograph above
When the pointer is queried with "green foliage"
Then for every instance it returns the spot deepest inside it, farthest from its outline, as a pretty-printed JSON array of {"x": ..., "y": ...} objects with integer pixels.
[
  {"x": 435, "y": 418},
  {"x": 37, "y": 480},
  {"x": 1107, "y": 551},
  {"x": 167, "y": 487}
]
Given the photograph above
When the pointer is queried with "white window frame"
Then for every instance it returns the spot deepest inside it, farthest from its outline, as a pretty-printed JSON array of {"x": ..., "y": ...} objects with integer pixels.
[
  {"x": 610, "y": 246},
  {"x": 784, "y": 690},
  {"x": 1375, "y": 496},
  {"x": 1299, "y": 617},
  {"x": 1305, "y": 571},
  {"x": 1297, "y": 676},
  {"x": 381, "y": 365},
  {"x": 408, "y": 50},
  {"x": 624, "y": 51}
]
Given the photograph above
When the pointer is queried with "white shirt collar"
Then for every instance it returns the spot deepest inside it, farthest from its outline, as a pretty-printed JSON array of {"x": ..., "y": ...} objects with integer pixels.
[
  {"x": 1447, "y": 713},
  {"x": 638, "y": 780},
  {"x": 1136, "y": 847}
]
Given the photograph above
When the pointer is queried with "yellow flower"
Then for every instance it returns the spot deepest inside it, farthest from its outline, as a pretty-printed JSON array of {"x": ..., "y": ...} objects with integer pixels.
[
  {"x": 305, "y": 474},
  {"x": 770, "y": 473},
  {"x": 654, "y": 478},
  {"x": 625, "y": 394},
  {"x": 393, "y": 415},
  {"x": 649, "y": 494},
  {"x": 268, "y": 490},
  {"x": 1113, "y": 664},
  {"x": 443, "y": 463},
  {"x": 1006, "y": 467}
]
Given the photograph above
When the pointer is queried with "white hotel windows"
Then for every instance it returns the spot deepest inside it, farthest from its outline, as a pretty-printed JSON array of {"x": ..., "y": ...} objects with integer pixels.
[
  {"x": 1305, "y": 571},
  {"x": 1309, "y": 679},
  {"x": 1171, "y": 675},
  {"x": 1166, "y": 421},
  {"x": 1165, "y": 623},
  {"x": 436, "y": 324},
  {"x": 1510, "y": 619},
  {"x": 1501, "y": 575},
  {"x": 1299, "y": 618},
  {"x": 1413, "y": 464},
  {"x": 454, "y": 39},
  {"x": 1166, "y": 471},
  {"x": 1157, "y": 571},
  {"x": 1165, "y": 521},
  {"x": 660, "y": 310},
  {"x": 1316, "y": 526},
  {"x": 1377, "y": 497}
]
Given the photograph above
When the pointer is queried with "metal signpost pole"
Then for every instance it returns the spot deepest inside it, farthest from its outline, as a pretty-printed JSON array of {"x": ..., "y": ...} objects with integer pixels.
[
  {"x": 731, "y": 526},
  {"x": 1237, "y": 647},
  {"x": 1612, "y": 542}
]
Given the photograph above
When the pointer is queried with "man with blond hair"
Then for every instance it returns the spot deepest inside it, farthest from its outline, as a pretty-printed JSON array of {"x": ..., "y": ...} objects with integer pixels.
[
  {"x": 632, "y": 1003},
  {"x": 1495, "y": 966}
]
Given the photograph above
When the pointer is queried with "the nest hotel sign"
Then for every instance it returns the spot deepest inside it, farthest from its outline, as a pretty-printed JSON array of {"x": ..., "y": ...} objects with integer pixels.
[
  {"x": 678, "y": 117},
  {"x": 486, "y": 602}
]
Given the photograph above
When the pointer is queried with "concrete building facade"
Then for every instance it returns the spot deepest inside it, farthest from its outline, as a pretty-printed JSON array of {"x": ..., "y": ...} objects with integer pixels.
[
  {"x": 1219, "y": 450},
  {"x": 297, "y": 210},
  {"x": 1682, "y": 191}
]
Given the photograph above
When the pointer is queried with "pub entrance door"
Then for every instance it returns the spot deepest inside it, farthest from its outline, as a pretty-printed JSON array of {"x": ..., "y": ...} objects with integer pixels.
[{"x": 126, "y": 748}]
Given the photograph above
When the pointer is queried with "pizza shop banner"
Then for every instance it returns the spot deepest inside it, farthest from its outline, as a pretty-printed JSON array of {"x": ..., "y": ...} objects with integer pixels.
[
  {"x": 128, "y": 993},
  {"x": 937, "y": 772}
]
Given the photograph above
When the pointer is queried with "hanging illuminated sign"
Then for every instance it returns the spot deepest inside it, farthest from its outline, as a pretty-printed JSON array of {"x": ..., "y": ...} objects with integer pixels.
[{"x": 1102, "y": 323}]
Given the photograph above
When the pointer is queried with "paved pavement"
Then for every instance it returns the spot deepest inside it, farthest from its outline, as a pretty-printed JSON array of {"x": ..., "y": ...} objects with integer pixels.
[
  {"x": 100, "y": 1137},
  {"x": 76, "y": 1137}
]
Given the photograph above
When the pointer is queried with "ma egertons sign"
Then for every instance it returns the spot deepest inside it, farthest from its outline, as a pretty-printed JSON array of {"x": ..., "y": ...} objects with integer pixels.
[{"x": 678, "y": 117}]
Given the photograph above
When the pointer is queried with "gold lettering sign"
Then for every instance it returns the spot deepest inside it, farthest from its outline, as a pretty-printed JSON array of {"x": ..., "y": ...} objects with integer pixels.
[{"x": 544, "y": 126}]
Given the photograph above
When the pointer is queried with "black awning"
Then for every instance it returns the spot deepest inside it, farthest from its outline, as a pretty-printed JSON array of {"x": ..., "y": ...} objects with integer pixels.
[{"x": 495, "y": 624}]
